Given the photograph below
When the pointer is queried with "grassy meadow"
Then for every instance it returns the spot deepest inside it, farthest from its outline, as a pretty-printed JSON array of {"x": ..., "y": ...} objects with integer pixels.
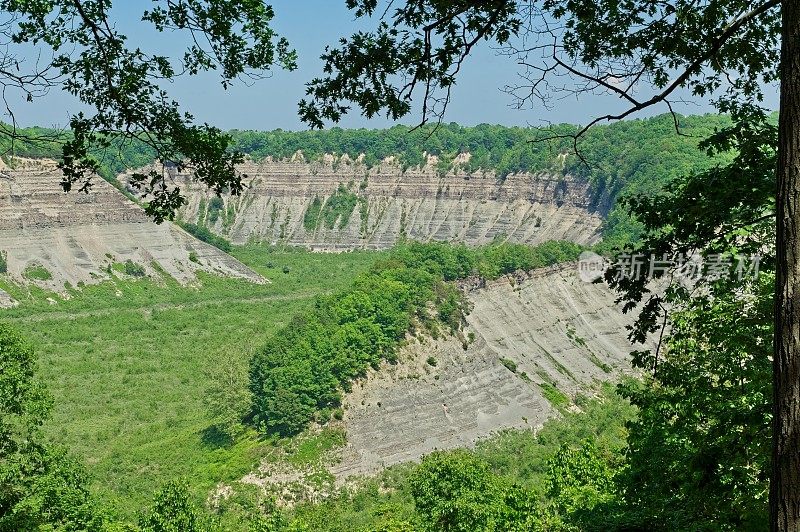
[{"x": 126, "y": 362}]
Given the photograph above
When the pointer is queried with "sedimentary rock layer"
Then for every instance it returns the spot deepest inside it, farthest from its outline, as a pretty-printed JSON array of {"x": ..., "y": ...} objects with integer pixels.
[
  {"x": 549, "y": 331},
  {"x": 419, "y": 203},
  {"x": 75, "y": 237}
]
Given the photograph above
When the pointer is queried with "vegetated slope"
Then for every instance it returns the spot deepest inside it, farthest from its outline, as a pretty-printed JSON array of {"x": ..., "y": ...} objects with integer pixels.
[
  {"x": 340, "y": 203},
  {"x": 128, "y": 361},
  {"x": 531, "y": 344},
  {"x": 53, "y": 238}
]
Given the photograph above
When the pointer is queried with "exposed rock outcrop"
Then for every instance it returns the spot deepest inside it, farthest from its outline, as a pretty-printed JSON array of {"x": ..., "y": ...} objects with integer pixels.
[
  {"x": 418, "y": 203},
  {"x": 550, "y": 331},
  {"x": 74, "y": 237},
  {"x": 532, "y": 342}
]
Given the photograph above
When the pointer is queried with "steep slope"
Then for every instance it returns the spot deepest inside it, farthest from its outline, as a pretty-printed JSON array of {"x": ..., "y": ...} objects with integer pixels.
[
  {"x": 52, "y": 238},
  {"x": 532, "y": 342},
  {"x": 533, "y": 339},
  {"x": 339, "y": 203}
]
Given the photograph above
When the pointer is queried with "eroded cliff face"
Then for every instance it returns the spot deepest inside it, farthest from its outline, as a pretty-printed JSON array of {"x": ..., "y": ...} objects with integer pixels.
[
  {"x": 76, "y": 237},
  {"x": 529, "y": 336},
  {"x": 339, "y": 203},
  {"x": 531, "y": 341}
]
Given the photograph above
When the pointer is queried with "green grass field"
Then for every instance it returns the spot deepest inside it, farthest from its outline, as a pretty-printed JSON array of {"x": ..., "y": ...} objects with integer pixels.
[{"x": 126, "y": 363}]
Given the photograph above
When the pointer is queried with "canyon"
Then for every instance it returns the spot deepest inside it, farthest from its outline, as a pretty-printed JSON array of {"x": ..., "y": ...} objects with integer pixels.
[
  {"x": 532, "y": 343},
  {"x": 339, "y": 203},
  {"x": 529, "y": 339}
]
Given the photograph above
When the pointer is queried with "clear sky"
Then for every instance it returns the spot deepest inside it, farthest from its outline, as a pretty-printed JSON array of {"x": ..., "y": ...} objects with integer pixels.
[{"x": 310, "y": 25}]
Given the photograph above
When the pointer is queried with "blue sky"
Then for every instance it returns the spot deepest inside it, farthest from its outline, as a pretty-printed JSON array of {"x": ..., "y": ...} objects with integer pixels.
[{"x": 310, "y": 25}]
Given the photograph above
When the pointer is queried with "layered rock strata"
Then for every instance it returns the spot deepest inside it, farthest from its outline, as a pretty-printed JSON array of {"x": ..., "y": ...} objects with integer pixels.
[
  {"x": 52, "y": 238},
  {"x": 388, "y": 203},
  {"x": 527, "y": 343}
]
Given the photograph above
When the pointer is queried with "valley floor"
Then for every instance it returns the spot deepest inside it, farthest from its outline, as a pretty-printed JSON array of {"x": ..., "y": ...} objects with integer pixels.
[{"x": 127, "y": 361}]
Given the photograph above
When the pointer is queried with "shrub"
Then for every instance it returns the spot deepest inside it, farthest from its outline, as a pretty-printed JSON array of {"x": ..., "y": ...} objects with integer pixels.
[
  {"x": 553, "y": 395},
  {"x": 37, "y": 272},
  {"x": 457, "y": 491},
  {"x": 311, "y": 216},
  {"x": 3, "y": 262},
  {"x": 339, "y": 207},
  {"x": 133, "y": 269},
  {"x": 510, "y": 364},
  {"x": 227, "y": 398},
  {"x": 203, "y": 234},
  {"x": 172, "y": 510},
  {"x": 432, "y": 362},
  {"x": 214, "y": 207}
]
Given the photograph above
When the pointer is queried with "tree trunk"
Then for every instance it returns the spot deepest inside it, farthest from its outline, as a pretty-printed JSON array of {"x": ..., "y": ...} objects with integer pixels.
[{"x": 785, "y": 482}]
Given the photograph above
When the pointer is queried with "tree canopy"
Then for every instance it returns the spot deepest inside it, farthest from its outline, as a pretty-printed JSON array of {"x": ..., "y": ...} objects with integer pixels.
[{"x": 121, "y": 83}]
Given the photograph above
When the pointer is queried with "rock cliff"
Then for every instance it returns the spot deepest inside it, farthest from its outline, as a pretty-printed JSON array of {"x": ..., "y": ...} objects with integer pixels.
[
  {"x": 529, "y": 337},
  {"x": 531, "y": 343},
  {"x": 51, "y": 238},
  {"x": 339, "y": 203}
]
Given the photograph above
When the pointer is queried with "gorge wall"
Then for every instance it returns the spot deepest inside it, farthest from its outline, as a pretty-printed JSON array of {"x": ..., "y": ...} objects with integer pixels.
[
  {"x": 531, "y": 343},
  {"x": 339, "y": 203},
  {"x": 532, "y": 339},
  {"x": 51, "y": 237}
]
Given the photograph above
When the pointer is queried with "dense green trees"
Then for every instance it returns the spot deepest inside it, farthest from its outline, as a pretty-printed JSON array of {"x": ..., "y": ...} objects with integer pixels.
[
  {"x": 703, "y": 438},
  {"x": 700, "y": 449},
  {"x": 456, "y": 492},
  {"x": 305, "y": 367},
  {"x": 227, "y": 396},
  {"x": 173, "y": 511}
]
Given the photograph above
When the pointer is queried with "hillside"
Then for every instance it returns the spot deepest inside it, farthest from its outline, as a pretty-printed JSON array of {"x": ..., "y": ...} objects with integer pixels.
[
  {"x": 535, "y": 342},
  {"x": 532, "y": 343},
  {"x": 58, "y": 239},
  {"x": 288, "y": 170},
  {"x": 338, "y": 203}
]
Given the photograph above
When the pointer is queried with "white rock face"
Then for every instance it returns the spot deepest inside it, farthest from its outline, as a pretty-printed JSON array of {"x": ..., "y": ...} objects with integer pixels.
[
  {"x": 417, "y": 203},
  {"x": 556, "y": 329},
  {"x": 75, "y": 236}
]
